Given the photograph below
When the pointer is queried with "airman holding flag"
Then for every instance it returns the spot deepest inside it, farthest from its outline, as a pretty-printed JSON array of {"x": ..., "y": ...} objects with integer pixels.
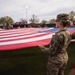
[{"x": 58, "y": 55}]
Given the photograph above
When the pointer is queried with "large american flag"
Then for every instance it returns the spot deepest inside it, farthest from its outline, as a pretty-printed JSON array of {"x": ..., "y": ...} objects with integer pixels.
[{"x": 16, "y": 39}]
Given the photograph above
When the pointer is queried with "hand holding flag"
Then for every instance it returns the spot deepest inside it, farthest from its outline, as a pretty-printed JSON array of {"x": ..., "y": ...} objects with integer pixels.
[{"x": 41, "y": 47}]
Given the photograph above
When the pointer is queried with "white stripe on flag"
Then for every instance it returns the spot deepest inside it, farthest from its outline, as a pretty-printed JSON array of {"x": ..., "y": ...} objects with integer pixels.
[
  {"x": 27, "y": 40},
  {"x": 17, "y": 37}
]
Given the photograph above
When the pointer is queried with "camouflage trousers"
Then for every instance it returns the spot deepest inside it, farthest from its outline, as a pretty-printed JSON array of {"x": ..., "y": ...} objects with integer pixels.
[{"x": 56, "y": 69}]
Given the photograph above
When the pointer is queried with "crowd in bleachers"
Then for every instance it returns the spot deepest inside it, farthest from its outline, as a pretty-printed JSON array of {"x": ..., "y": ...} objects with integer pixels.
[{"x": 26, "y": 25}]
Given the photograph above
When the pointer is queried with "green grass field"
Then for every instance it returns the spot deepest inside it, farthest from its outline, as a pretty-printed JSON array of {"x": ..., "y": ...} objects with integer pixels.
[{"x": 29, "y": 61}]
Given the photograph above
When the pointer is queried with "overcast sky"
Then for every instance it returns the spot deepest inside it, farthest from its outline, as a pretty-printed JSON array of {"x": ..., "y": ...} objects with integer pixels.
[{"x": 43, "y": 9}]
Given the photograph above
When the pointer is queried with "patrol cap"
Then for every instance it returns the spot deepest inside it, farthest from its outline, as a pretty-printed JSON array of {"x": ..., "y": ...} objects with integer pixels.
[{"x": 62, "y": 16}]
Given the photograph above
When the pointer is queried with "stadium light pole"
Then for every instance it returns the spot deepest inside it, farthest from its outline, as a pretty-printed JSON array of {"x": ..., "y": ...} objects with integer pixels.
[{"x": 26, "y": 7}]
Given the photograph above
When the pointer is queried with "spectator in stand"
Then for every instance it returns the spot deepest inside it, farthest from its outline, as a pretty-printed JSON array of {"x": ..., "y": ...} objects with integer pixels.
[
  {"x": 74, "y": 23},
  {"x": 71, "y": 24}
]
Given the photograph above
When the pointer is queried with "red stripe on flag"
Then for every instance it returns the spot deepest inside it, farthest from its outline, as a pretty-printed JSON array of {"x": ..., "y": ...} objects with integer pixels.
[
  {"x": 24, "y": 45},
  {"x": 24, "y": 38}
]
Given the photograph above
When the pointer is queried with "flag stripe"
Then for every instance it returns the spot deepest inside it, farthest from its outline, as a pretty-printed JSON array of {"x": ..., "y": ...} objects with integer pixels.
[
  {"x": 27, "y": 40},
  {"x": 23, "y": 37},
  {"x": 24, "y": 45}
]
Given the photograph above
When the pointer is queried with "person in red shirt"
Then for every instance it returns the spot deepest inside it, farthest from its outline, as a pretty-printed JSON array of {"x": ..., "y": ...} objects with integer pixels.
[{"x": 72, "y": 72}]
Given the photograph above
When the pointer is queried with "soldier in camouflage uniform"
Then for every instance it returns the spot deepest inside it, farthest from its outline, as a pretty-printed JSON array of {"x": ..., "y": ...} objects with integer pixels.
[{"x": 58, "y": 56}]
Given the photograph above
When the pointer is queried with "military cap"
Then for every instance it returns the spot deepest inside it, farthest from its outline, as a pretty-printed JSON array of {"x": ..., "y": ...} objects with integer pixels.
[{"x": 62, "y": 16}]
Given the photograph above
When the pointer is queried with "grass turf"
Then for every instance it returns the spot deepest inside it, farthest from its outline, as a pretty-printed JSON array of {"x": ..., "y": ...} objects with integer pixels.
[{"x": 29, "y": 61}]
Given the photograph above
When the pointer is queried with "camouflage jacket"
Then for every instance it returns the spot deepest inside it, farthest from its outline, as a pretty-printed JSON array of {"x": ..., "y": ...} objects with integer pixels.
[{"x": 59, "y": 43}]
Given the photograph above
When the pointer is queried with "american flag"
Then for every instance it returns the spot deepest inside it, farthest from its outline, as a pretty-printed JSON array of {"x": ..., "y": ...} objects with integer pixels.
[{"x": 16, "y": 39}]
